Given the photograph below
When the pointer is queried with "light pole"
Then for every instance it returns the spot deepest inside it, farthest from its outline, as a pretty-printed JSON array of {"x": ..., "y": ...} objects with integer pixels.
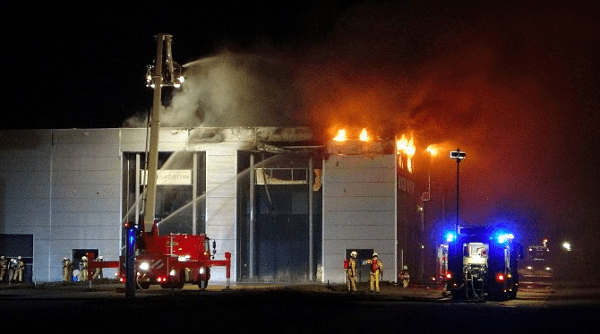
[{"x": 457, "y": 155}]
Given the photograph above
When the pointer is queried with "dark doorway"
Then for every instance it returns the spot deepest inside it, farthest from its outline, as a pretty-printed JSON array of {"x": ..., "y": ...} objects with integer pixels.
[{"x": 14, "y": 245}]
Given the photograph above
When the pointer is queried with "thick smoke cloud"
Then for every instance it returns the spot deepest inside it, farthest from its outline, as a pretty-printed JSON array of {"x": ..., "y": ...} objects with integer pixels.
[
  {"x": 514, "y": 87},
  {"x": 231, "y": 89}
]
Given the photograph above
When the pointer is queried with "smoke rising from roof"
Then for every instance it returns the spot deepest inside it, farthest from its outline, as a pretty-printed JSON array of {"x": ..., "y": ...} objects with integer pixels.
[
  {"x": 514, "y": 86},
  {"x": 231, "y": 89}
]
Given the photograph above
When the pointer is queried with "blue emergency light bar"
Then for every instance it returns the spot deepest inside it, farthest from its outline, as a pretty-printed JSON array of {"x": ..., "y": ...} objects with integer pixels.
[
  {"x": 450, "y": 236},
  {"x": 504, "y": 237}
]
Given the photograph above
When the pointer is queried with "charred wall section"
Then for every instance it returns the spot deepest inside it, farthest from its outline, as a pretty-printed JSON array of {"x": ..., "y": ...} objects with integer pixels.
[{"x": 280, "y": 248}]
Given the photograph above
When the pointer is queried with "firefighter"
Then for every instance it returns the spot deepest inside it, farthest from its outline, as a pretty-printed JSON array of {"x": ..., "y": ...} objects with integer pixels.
[
  {"x": 98, "y": 271},
  {"x": 350, "y": 268},
  {"x": 66, "y": 267},
  {"x": 404, "y": 277},
  {"x": 83, "y": 272},
  {"x": 3, "y": 268},
  {"x": 376, "y": 272},
  {"x": 12, "y": 267},
  {"x": 19, "y": 268}
]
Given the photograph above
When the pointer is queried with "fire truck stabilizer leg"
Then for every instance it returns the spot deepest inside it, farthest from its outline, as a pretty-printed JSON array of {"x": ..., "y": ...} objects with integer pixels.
[{"x": 228, "y": 259}]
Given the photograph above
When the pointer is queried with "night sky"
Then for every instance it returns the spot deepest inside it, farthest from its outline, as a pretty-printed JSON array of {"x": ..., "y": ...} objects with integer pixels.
[{"x": 514, "y": 85}]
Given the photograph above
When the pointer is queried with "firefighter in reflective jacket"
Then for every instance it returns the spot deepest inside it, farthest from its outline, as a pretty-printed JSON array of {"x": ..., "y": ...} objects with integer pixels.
[
  {"x": 376, "y": 272},
  {"x": 98, "y": 272},
  {"x": 350, "y": 268},
  {"x": 19, "y": 270},
  {"x": 84, "y": 269},
  {"x": 66, "y": 267},
  {"x": 404, "y": 277},
  {"x": 3, "y": 268}
]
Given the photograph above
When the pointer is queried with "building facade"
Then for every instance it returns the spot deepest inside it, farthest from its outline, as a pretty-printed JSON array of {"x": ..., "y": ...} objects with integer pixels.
[{"x": 286, "y": 207}]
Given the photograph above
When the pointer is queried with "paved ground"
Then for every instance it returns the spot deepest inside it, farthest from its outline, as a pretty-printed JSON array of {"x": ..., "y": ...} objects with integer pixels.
[
  {"x": 300, "y": 308},
  {"x": 110, "y": 289}
]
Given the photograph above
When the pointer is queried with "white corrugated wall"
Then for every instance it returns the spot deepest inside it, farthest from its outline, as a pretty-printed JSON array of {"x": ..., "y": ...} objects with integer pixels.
[{"x": 359, "y": 211}]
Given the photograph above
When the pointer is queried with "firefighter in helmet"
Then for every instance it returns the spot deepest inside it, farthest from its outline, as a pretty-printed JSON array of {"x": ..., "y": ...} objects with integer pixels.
[
  {"x": 376, "y": 272},
  {"x": 12, "y": 268},
  {"x": 350, "y": 268},
  {"x": 98, "y": 272},
  {"x": 3, "y": 268},
  {"x": 66, "y": 268},
  {"x": 20, "y": 268},
  {"x": 404, "y": 277},
  {"x": 83, "y": 273}
]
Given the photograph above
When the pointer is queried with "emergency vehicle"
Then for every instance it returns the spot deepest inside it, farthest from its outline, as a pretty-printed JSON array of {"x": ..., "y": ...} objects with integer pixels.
[
  {"x": 537, "y": 269},
  {"x": 173, "y": 260},
  {"x": 168, "y": 260},
  {"x": 482, "y": 264}
]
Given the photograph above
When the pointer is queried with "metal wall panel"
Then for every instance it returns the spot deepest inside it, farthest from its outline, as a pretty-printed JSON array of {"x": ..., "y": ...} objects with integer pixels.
[
  {"x": 62, "y": 186},
  {"x": 359, "y": 211},
  {"x": 25, "y": 166},
  {"x": 374, "y": 175},
  {"x": 358, "y": 217},
  {"x": 105, "y": 163},
  {"x": 77, "y": 137},
  {"x": 358, "y": 232},
  {"x": 85, "y": 204},
  {"x": 170, "y": 140},
  {"x": 374, "y": 189},
  {"x": 24, "y": 180},
  {"x": 372, "y": 203},
  {"x": 221, "y": 202}
]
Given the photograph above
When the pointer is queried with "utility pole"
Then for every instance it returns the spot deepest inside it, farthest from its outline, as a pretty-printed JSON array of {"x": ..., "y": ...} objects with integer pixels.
[{"x": 457, "y": 155}]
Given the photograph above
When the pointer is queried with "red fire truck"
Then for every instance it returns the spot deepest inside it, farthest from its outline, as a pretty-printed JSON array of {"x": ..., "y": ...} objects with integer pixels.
[
  {"x": 169, "y": 260},
  {"x": 174, "y": 259}
]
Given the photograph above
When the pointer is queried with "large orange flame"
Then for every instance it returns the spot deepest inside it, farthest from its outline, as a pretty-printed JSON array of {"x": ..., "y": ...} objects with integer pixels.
[
  {"x": 341, "y": 135},
  {"x": 364, "y": 136},
  {"x": 406, "y": 146}
]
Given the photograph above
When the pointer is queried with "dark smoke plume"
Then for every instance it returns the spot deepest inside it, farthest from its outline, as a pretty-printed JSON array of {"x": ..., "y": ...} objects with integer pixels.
[{"x": 513, "y": 86}]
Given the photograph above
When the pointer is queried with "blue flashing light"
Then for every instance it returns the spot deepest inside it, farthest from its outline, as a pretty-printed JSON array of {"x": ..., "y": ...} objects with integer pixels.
[
  {"x": 131, "y": 238},
  {"x": 450, "y": 236},
  {"x": 504, "y": 237}
]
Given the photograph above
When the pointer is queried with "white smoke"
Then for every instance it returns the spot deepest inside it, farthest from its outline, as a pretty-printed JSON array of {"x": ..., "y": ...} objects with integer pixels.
[{"x": 230, "y": 90}]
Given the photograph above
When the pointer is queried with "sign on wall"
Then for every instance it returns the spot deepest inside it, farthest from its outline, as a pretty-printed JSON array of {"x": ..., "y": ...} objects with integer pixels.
[{"x": 171, "y": 177}]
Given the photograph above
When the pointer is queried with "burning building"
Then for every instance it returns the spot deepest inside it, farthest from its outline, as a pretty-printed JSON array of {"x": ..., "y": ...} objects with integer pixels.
[{"x": 287, "y": 207}]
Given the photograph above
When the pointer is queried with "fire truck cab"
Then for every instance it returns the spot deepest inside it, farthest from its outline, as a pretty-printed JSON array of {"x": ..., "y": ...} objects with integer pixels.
[
  {"x": 482, "y": 264},
  {"x": 173, "y": 260}
]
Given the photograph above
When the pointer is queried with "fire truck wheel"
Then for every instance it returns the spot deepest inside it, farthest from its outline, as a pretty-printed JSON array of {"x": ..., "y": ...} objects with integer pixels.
[
  {"x": 175, "y": 285},
  {"x": 181, "y": 279},
  {"x": 144, "y": 285}
]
